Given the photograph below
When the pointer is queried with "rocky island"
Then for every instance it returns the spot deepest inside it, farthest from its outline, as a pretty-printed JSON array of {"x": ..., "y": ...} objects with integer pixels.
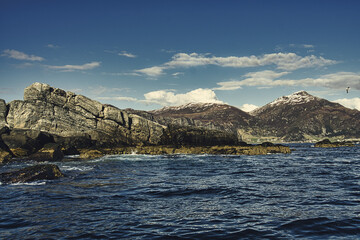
[{"x": 50, "y": 123}]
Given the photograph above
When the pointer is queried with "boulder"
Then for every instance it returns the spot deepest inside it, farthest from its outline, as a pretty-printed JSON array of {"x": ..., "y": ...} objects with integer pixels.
[
  {"x": 50, "y": 152},
  {"x": 32, "y": 173}
]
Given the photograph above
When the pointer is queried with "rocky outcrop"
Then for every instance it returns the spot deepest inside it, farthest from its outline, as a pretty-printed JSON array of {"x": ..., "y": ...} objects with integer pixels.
[
  {"x": 68, "y": 115},
  {"x": 30, "y": 174}
]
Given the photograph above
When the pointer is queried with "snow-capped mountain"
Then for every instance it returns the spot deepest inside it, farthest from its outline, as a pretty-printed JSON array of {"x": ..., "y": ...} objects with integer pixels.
[
  {"x": 301, "y": 115},
  {"x": 300, "y": 97}
]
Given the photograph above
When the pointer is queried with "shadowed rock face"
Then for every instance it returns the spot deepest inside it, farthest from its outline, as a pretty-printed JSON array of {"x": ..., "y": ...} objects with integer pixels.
[
  {"x": 33, "y": 173},
  {"x": 66, "y": 114}
]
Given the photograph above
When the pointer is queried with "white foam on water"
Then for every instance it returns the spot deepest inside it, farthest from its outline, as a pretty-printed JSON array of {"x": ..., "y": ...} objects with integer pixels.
[
  {"x": 76, "y": 168},
  {"x": 36, "y": 183}
]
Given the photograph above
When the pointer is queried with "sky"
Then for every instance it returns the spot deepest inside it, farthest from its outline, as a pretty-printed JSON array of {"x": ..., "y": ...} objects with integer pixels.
[{"x": 150, "y": 54}]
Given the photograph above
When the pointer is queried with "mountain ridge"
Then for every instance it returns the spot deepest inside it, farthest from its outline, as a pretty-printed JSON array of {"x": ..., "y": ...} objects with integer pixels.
[{"x": 299, "y": 116}]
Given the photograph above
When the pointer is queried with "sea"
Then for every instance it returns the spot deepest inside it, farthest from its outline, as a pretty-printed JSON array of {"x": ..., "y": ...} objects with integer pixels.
[{"x": 312, "y": 193}]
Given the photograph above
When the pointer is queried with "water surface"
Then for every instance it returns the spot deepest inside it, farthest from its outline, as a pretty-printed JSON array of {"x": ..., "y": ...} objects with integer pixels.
[{"x": 309, "y": 194}]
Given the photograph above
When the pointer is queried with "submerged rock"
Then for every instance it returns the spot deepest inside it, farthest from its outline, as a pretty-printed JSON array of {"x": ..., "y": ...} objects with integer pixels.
[{"x": 33, "y": 173}]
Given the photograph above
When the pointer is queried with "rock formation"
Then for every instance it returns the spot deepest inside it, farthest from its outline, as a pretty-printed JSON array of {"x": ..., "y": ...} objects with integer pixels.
[
  {"x": 66, "y": 114},
  {"x": 32, "y": 173}
]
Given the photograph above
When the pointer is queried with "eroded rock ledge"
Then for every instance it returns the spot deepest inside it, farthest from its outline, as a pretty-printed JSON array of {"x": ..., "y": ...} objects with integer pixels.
[{"x": 161, "y": 150}]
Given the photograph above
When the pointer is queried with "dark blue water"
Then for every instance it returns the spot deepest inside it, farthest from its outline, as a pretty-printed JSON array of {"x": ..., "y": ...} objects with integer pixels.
[{"x": 309, "y": 194}]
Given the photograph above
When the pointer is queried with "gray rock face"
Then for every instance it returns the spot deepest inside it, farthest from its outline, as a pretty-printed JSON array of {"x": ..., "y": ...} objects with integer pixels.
[
  {"x": 3, "y": 112},
  {"x": 66, "y": 114}
]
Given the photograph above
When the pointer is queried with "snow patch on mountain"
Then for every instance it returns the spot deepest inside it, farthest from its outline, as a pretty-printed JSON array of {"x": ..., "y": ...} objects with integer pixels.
[
  {"x": 300, "y": 97},
  {"x": 293, "y": 99},
  {"x": 194, "y": 107}
]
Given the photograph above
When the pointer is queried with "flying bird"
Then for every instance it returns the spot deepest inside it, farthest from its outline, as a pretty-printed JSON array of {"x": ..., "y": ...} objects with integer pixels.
[{"x": 347, "y": 89}]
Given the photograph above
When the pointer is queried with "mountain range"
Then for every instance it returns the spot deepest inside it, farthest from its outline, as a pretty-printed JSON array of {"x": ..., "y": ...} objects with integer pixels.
[{"x": 297, "y": 117}]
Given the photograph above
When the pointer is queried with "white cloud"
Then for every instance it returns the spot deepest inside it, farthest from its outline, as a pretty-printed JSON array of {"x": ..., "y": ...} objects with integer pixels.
[
  {"x": 283, "y": 61},
  {"x": 99, "y": 90},
  {"x": 308, "y": 46},
  {"x": 339, "y": 80},
  {"x": 128, "y": 99},
  {"x": 86, "y": 66},
  {"x": 353, "y": 103},
  {"x": 151, "y": 71},
  {"x": 121, "y": 74},
  {"x": 126, "y": 54},
  {"x": 52, "y": 46},
  {"x": 168, "y": 98},
  {"x": 262, "y": 78},
  {"x": 177, "y": 74},
  {"x": 10, "y": 53},
  {"x": 248, "y": 107}
]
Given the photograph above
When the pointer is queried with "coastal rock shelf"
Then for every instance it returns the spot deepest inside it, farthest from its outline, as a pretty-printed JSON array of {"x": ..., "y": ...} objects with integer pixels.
[{"x": 160, "y": 150}]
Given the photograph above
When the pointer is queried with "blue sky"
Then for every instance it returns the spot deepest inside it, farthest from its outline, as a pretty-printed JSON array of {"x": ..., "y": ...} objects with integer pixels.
[{"x": 149, "y": 54}]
